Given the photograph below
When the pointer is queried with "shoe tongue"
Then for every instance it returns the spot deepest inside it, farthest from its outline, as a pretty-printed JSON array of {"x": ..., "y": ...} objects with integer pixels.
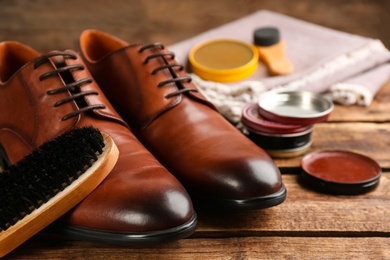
[
  {"x": 77, "y": 75},
  {"x": 59, "y": 62},
  {"x": 15, "y": 55},
  {"x": 67, "y": 77}
]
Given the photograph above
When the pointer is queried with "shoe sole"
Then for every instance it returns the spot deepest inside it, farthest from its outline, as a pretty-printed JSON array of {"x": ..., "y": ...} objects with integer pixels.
[
  {"x": 127, "y": 239},
  {"x": 242, "y": 205}
]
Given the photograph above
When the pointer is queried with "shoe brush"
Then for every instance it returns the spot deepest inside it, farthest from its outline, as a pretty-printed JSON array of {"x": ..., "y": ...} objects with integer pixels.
[
  {"x": 272, "y": 51},
  {"x": 50, "y": 181}
]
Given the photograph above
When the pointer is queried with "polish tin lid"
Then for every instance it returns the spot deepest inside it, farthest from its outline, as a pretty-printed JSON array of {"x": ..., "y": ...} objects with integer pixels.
[
  {"x": 223, "y": 60},
  {"x": 340, "y": 172},
  {"x": 252, "y": 120},
  {"x": 295, "y": 107}
]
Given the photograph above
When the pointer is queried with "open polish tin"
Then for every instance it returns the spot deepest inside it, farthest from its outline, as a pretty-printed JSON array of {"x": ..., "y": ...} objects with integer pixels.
[
  {"x": 295, "y": 107},
  {"x": 282, "y": 122},
  {"x": 223, "y": 60},
  {"x": 340, "y": 172},
  {"x": 279, "y": 140}
]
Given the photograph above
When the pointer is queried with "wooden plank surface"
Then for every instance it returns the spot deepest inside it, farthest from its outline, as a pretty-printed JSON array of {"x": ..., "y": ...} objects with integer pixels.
[
  {"x": 48, "y": 24},
  {"x": 307, "y": 213},
  {"x": 370, "y": 139},
  {"x": 306, "y": 219},
  {"x": 268, "y": 247},
  {"x": 309, "y": 224}
]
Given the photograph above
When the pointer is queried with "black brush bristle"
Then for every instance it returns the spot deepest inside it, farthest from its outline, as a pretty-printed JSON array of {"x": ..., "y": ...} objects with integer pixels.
[{"x": 38, "y": 177}]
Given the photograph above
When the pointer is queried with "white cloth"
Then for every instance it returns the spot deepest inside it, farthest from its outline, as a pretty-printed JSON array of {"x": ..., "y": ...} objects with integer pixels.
[{"x": 352, "y": 68}]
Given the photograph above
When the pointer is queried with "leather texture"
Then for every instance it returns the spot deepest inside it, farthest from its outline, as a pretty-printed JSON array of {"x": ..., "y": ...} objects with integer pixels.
[
  {"x": 154, "y": 95},
  {"x": 139, "y": 196}
]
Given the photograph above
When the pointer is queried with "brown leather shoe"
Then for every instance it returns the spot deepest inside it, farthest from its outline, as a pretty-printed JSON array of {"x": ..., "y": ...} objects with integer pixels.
[
  {"x": 213, "y": 160},
  {"x": 41, "y": 96}
]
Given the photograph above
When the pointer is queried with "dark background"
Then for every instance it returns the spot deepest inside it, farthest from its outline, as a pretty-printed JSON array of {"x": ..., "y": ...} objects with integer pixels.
[{"x": 56, "y": 24}]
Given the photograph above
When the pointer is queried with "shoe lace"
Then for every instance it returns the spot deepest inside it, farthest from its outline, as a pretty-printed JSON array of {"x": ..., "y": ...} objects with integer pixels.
[
  {"x": 73, "y": 87},
  {"x": 171, "y": 67}
]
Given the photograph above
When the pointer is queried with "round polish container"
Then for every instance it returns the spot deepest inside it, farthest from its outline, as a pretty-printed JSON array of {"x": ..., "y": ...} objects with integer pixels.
[
  {"x": 223, "y": 60},
  {"x": 340, "y": 172},
  {"x": 279, "y": 140},
  {"x": 295, "y": 107}
]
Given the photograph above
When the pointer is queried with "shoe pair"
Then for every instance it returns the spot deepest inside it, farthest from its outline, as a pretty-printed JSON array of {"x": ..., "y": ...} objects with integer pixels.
[{"x": 170, "y": 138}]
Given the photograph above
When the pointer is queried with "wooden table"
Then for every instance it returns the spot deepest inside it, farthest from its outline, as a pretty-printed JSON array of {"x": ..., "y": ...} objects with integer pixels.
[{"x": 308, "y": 225}]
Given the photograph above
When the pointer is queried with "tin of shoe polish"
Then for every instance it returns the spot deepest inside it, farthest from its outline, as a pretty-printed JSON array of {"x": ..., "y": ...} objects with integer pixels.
[
  {"x": 340, "y": 172},
  {"x": 295, "y": 107},
  {"x": 223, "y": 60},
  {"x": 279, "y": 140}
]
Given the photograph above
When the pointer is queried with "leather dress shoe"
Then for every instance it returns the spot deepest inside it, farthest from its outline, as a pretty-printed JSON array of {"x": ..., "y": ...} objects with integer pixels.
[
  {"x": 217, "y": 164},
  {"x": 140, "y": 202}
]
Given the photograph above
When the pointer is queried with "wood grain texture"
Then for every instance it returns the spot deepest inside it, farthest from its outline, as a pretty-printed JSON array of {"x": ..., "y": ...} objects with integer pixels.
[
  {"x": 221, "y": 248},
  {"x": 307, "y": 212},
  {"x": 370, "y": 139},
  {"x": 54, "y": 24},
  {"x": 309, "y": 224}
]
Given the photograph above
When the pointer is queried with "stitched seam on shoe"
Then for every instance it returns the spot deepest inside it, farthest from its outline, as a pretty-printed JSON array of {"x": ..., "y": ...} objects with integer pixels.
[
  {"x": 145, "y": 123},
  {"x": 35, "y": 109}
]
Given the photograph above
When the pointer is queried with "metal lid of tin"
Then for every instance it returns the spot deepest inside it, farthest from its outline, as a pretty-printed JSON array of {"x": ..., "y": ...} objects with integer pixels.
[
  {"x": 340, "y": 172},
  {"x": 295, "y": 107},
  {"x": 224, "y": 60},
  {"x": 255, "y": 122}
]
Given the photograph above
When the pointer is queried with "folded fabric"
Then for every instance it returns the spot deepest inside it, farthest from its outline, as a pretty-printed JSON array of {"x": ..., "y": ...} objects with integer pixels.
[
  {"x": 351, "y": 67},
  {"x": 361, "y": 88}
]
